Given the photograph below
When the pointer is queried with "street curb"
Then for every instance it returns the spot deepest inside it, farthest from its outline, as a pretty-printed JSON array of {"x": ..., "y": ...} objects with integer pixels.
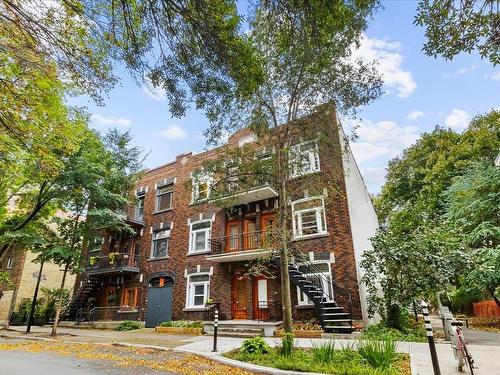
[
  {"x": 141, "y": 346},
  {"x": 3, "y": 336}
]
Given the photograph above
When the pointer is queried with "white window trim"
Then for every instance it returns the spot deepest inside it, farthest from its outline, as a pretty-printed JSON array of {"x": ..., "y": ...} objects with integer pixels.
[
  {"x": 320, "y": 217},
  {"x": 153, "y": 240},
  {"x": 191, "y": 249},
  {"x": 196, "y": 180},
  {"x": 314, "y": 162},
  {"x": 171, "y": 191},
  {"x": 138, "y": 206},
  {"x": 191, "y": 287},
  {"x": 10, "y": 261},
  {"x": 305, "y": 301}
]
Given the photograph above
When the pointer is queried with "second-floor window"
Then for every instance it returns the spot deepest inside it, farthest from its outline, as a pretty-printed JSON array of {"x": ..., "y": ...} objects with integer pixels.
[
  {"x": 304, "y": 158},
  {"x": 201, "y": 188},
  {"x": 95, "y": 245},
  {"x": 164, "y": 197},
  {"x": 200, "y": 236},
  {"x": 161, "y": 240},
  {"x": 139, "y": 208},
  {"x": 308, "y": 216}
]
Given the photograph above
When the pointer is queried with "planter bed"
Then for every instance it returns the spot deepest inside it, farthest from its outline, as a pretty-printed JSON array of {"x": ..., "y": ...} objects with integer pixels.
[
  {"x": 179, "y": 330},
  {"x": 302, "y": 333}
]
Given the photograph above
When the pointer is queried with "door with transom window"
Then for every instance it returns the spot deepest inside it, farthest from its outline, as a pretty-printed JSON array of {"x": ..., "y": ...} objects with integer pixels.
[{"x": 239, "y": 295}]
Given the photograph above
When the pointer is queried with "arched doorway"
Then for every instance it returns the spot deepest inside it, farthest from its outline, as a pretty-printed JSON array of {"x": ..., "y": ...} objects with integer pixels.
[{"x": 159, "y": 305}]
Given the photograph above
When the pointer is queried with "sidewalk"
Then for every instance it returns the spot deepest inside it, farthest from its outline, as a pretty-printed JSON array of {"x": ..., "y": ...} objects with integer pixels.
[{"x": 487, "y": 357}]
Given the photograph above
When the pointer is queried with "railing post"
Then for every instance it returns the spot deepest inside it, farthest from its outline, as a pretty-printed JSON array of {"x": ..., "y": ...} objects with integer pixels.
[
  {"x": 216, "y": 323},
  {"x": 430, "y": 338}
]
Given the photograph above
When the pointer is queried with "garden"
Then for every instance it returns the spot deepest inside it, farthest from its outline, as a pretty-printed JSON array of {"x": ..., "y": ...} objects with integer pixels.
[{"x": 366, "y": 357}]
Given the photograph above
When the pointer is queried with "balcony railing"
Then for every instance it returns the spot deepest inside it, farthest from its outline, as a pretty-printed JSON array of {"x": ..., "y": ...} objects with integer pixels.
[
  {"x": 239, "y": 242},
  {"x": 112, "y": 262}
]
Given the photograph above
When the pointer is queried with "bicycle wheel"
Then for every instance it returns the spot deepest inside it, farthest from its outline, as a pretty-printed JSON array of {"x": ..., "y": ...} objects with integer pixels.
[{"x": 468, "y": 358}]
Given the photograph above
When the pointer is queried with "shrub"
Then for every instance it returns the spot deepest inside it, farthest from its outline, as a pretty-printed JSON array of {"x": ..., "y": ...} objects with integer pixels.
[
  {"x": 182, "y": 324},
  {"x": 324, "y": 352},
  {"x": 255, "y": 345},
  {"x": 287, "y": 343},
  {"x": 378, "y": 354},
  {"x": 128, "y": 325},
  {"x": 381, "y": 332}
]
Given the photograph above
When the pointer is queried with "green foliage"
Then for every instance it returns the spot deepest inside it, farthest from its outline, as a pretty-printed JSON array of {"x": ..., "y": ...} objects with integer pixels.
[
  {"x": 287, "y": 345},
  {"x": 378, "y": 354},
  {"x": 324, "y": 352},
  {"x": 52, "y": 297},
  {"x": 382, "y": 332},
  {"x": 255, "y": 345},
  {"x": 452, "y": 27},
  {"x": 5, "y": 278},
  {"x": 128, "y": 325},
  {"x": 182, "y": 324},
  {"x": 460, "y": 300}
]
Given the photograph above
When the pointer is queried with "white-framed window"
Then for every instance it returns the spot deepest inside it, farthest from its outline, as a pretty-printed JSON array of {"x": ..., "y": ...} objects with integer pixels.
[
  {"x": 164, "y": 198},
  {"x": 10, "y": 261},
  {"x": 308, "y": 217},
  {"x": 198, "y": 290},
  {"x": 200, "y": 236},
  {"x": 159, "y": 248},
  {"x": 304, "y": 158},
  {"x": 139, "y": 208},
  {"x": 201, "y": 187},
  {"x": 95, "y": 245},
  {"x": 322, "y": 278}
]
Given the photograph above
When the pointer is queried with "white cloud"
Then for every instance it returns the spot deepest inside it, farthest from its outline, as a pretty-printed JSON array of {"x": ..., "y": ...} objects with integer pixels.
[
  {"x": 462, "y": 71},
  {"x": 415, "y": 115},
  {"x": 389, "y": 63},
  {"x": 155, "y": 93},
  {"x": 373, "y": 175},
  {"x": 110, "y": 120},
  {"x": 457, "y": 119},
  {"x": 365, "y": 151},
  {"x": 173, "y": 132}
]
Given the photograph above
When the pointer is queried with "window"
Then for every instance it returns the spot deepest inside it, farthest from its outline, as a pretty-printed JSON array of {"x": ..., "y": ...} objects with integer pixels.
[
  {"x": 320, "y": 276},
  {"x": 9, "y": 263},
  {"x": 95, "y": 245},
  {"x": 130, "y": 297},
  {"x": 201, "y": 188},
  {"x": 308, "y": 217},
  {"x": 200, "y": 236},
  {"x": 160, "y": 244},
  {"x": 304, "y": 159},
  {"x": 164, "y": 196},
  {"x": 139, "y": 208},
  {"x": 198, "y": 290}
]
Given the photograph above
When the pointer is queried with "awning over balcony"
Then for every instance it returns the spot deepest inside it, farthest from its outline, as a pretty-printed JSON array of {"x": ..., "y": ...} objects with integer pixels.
[
  {"x": 251, "y": 195},
  {"x": 237, "y": 256}
]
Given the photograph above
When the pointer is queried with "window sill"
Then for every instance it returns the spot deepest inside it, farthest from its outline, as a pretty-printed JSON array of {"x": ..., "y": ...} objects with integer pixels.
[
  {"x": 310, "y": 236},
  {"x": 160, "y": 258},
  {"x": 201, "y": 308},
  {"x": 194, "y": 203},
  {"x": 304, "y": 174},
  {"x": 305, "y": 306},
  {"x": 204, "y": 252},
  {"x": 163, "y": 211}
]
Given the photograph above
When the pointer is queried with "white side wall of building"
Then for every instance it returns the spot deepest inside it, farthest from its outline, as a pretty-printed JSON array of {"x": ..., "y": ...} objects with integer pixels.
[{"x": 364, "y": 222}]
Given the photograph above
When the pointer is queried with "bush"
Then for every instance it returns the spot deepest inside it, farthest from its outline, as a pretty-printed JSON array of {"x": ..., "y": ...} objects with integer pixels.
[
  {"x": 182, "y": 324},
  {"x": 381, "y": 332},
  {"x": 255, "y": 345},
  {"x": 128, "y": 325},
  {"x": 378, "y": 354}
]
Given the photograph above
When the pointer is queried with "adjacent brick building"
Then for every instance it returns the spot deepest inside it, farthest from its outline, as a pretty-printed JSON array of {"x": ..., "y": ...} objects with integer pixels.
[{"x": 188, "y": 251}]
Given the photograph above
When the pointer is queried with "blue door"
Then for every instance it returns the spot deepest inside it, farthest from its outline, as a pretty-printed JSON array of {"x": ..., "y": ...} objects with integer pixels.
[{"x": 159, "y": 305}]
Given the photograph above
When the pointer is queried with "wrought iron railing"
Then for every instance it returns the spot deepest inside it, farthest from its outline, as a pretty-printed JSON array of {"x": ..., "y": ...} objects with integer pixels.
[
  {"x": 112, "y": 261},
  {"x": 113, "y": 313},
  {"x": 270, "y": 310},
  {"x": 238, "y": 242}
]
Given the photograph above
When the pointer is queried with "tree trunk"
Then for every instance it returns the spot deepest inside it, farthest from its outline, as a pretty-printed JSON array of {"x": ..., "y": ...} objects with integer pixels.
[
  {"x": 495, "y": 298},
  {"x": 35, "y": 296},
  {"x": 59, "y": 305}
]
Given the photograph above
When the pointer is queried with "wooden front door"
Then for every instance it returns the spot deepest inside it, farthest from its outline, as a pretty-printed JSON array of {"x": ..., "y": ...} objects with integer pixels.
[{"x": 239, "y": 293}]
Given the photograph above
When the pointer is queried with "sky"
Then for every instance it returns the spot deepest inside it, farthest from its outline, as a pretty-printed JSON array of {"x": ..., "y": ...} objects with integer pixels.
[{"x": 420, "y": 92}]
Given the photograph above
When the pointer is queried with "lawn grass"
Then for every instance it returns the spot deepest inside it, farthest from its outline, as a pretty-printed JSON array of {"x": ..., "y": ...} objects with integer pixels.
[
  {"x": 381, "y": 332},
  {"x": 346, "y": 361}
]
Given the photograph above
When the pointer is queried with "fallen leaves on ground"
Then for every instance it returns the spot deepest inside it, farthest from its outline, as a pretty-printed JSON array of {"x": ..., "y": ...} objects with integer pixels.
[
  {"x": 486, "y": 324},
  {"x": 170, "y": 361}
]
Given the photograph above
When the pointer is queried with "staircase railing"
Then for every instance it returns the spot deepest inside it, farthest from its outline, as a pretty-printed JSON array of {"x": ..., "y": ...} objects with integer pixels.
[{"x": 113, "y": 313}]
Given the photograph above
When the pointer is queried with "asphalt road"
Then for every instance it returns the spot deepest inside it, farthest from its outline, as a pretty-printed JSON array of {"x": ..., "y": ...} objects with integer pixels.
[{"x": 24, "y": 363}]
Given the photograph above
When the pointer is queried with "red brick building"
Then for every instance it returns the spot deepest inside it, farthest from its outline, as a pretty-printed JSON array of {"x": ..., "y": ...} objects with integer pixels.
[{"x": 188, "y": 251}]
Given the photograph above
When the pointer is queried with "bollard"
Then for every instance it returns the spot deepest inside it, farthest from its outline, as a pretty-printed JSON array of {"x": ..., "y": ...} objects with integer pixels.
[
  {"x": 430, "y": 338},
  {"x": 216, "y": 323}
]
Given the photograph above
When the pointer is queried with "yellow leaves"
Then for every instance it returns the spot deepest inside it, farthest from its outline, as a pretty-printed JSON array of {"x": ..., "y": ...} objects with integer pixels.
[{"x": 186, "y": 364}]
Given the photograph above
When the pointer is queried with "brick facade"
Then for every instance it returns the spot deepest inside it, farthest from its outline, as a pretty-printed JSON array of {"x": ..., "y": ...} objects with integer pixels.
[{"x": 338, "y": 241}]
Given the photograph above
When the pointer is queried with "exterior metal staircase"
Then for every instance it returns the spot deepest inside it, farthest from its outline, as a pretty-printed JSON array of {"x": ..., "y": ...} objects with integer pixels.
[
  {"x": 89, "y": 284},
  {"x": 331, "y": 299}
]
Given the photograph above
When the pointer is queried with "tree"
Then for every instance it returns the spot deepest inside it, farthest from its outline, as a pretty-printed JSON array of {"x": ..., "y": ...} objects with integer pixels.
[
  {"x": 305, "y": 54},
  {"x": 472, "y": 205},
  {"x": 453, "y": 27}
]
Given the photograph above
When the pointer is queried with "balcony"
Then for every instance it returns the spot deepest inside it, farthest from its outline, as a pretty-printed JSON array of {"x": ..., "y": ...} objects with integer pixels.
[
  {"x": 111, "y": 264},
  {"x": 236, "y": 196},
  {"x": 240, "y": 247}
]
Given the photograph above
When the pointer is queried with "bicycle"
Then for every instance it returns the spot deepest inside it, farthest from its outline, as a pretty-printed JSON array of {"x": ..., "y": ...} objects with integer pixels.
[{"x": 459, "y": 345}]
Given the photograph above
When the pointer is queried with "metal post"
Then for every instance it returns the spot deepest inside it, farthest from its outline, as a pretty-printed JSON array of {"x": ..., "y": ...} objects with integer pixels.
[
  {"x": 216, "y": 323},
  {"x": 35, "y": 296},
  {"x": 430, "y": 338}
]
